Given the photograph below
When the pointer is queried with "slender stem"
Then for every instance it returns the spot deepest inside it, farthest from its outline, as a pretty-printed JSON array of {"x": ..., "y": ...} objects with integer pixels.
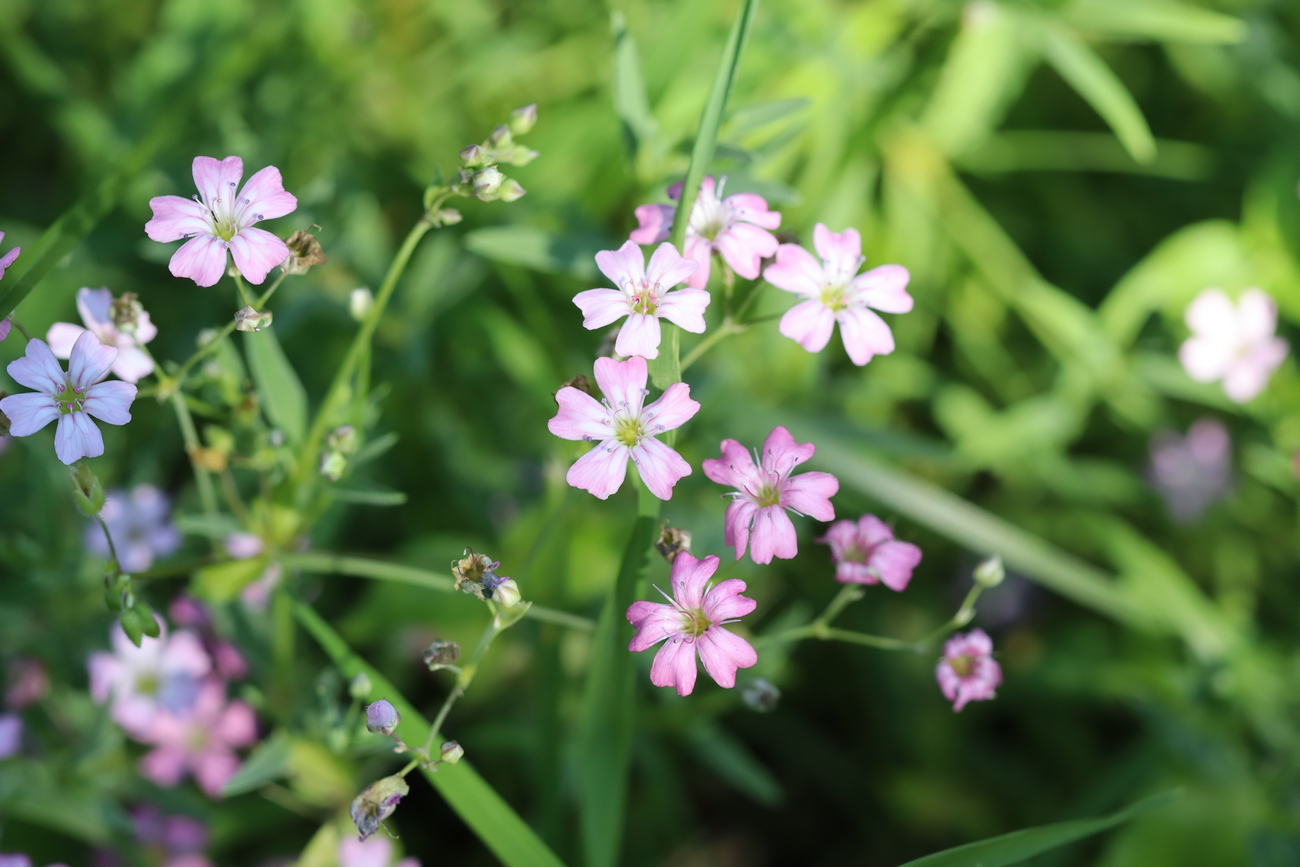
[
  {"x": 463, "y": 680},
  {"x": 724, "y": 330},
  {"x": 207, "y": 495},
  {"x": 112, "y": 549},
  {"x": 21, "y": 330},
  {"x": 848, "y": 593},
  {"x": 243, "y": 290}
]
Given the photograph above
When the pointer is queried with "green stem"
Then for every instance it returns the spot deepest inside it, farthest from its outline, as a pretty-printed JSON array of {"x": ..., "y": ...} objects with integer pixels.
[
  {"x": 112, "y": 549},
  {"x": 226, "y": 330},
  {"x": 207, "y": 495},
  {"x": 463, "y": 680},
  {"x": 724, "y": 330},
  {"x": 243, "y": 290}
]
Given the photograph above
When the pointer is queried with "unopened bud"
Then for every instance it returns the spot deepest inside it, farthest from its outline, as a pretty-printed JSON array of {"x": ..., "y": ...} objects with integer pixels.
[
  {"x": 487, "y": 182},
  {"x": 117, "y": 588},
  {"x": 473, "y": 156},
  {"x": 441, "y": 654},
  {"x": 127, "y": 313},
  {"x": 990, "y": 572},
  {"x": 500, "y": 137},
  {"x": 332, "y": 465},
  {"x": 377, "y": 803},
  {"x": 519, "y": 156},
  {"x": 304, "y": 252},
  {"x": 382, "y": 717},
  {"x": 523, "y": 119},
  {"x": 360, "y": 303},
  {"x": 86, "y": 490},
  {"x": 248, "y": 319},
  {"x": 452, "y": 752},
  {"x": 343, "y": 438},
  {"x": 446, "y": 217},
  {"x": 360, "y": 686},
  {"x": 502, "y": 591},
  {"x": 761, "y": 695},
  {"x": 673, "y": 541},
  {"x": 510, "y": 191}
]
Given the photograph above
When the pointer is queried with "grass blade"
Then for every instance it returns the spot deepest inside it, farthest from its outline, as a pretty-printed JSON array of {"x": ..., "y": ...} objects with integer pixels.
[{"x": 630, "y": 100}]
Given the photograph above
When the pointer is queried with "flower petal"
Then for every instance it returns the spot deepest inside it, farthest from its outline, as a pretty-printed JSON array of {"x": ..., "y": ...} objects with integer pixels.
[
  {"x": 164, "y": 765},
  {"x": 1206, "y": 359},
  {"x": 674, "y": 665},
  {"x": 653, "y": 622},
  {"x": 1212, "y": 313},
  {"x": 744, "y": 247},
  {"x": 264, "y": 198},
  {"x": 600, "y": 471},
  {"x": 201, "y": 258},
  {"x": 62, "y": 336},
  {"x": 28, "y": 412},
  {"x": 865, "y": 334},
  {"x": 739, "y": 516},
  {"x": 752, "y": 208},
  {"x": 38, "y": 369},
  {"x": 600, "y": 307},
  {"x": 883, "y": 288},
  {"x": 640, "y": 335},
  {"x": 624, "y": 265},
  {"x": 622, "y": 382},
  {"x": 894, "y": 562},
  {"x": 668, "y": 268},
  {"x": 873, "y": 531},
  {"x": 8, "y": 258},
  {"x": 659, "y": 466},
  {"x": 256, "y": 252},
  {"x": 77, "y": 438},
  {"x": 580, "y": 416},
  {"x": 90, "y": 361},
  {"x": 724, "y": 601},
  {"x": 110, "y": 401},
  {"x": 175, "y": 218},
  {"x": 735, "y": 468},
  {"x": 724, "y": 652},
  {"x": 672, "y": 410},
  {"x": 841, "y": 253},
  {"x": 700, "y": 251},
  {"x": 809, "y": 494},
  {"x": 809, "y": 323},
  {"x": 655, "y": 222},
  {"x": 685, "y": 308},
  {"x": 690, "y": 577},
  {"x": 132, "y": 364},
  {"x": 773, "y": 535},
  {"x": 95, "y": 307},
  {"x": 217, "y": 179},
  {"x": 781, "y": 453},
  {"x": 795, "y": 270}
]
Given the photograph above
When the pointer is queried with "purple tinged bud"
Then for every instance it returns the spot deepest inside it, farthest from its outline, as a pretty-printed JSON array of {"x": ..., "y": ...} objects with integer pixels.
[
  {"x": 473, "y": 156},
  {"x": 377, "y": 803},
  {"x": 502, "y": 591},
  {"x": 523, "y": 119},
  {"x": 452, "y": 752},
  {"x": 487, "y": 182},
  {"x": 342, "y": 439},
  {"x": 248, "y": 319},
  {"x": 382, "y": 717},
  {"x": 510, "y": 191}
]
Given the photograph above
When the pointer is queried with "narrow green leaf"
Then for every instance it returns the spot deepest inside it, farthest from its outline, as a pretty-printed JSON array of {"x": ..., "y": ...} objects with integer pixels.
[
  {"x": 283, "y": 398},
  {"x": 477, "y": 803},
  {"x": 373, "y": 449},
  {"x": 1055, "y": 151},
  {"x": 268, "y": 762},
  {"x": 1154, "y": 19},
  {"x": 1089, "y": 75},
  {"x": 538, "y": 249},
  {"x": 369, "y": 496},
  {"x": 1017, "y": 846},
  {"x": 755, "y": 117},
  {"x": 717, "y": 748},
  {"x": 630, "y": 100}
]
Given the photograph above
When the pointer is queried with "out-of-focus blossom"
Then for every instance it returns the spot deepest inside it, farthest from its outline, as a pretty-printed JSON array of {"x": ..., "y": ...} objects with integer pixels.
[
  {"x": 221, "y": 219},
  {"x": 202, "y": 743},
  {"x": 141, "y": 527},
  {"x": 28, "y": 683},
  {"x": 241, "y": 546},
  {"x": 19, "y": 860},
  {"x": 173, "y": 841},
  {"x": 691, "y": 623},
  {"x": 258, "y": 594},
  {"x": 6, "y": 260},
  {"x": 71, "y": 398},
  {"x": 866, "y": 552},
  {"x": 833, "y": 291},
  {"x": 1233, "y": 342},
  {"x": 227, "y": 661},
  {"x": 95, "y": 306},
  {"x": 5, "y": 325},
  {"x": 735, "y": 227},
  {"x": 968, "y": 671},
  {"x": 765, "y": 490},
  {"x": 1192, "y": 472},
  {"x": 11, "y": 734},
  {"x": 643, "y": 296},
  {"x": 622, "y": 428},
  {"x": 163, "y": 676},
  {"x": 374, "y": 852}
]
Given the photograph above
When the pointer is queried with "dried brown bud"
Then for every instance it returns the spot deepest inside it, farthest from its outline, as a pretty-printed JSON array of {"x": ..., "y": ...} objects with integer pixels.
[
  {"x": 672, "y": 541},
  {"x": 441, "y": 654},
  {"x": 377, "y": 803},
  {"x": 581, "y": 383}
]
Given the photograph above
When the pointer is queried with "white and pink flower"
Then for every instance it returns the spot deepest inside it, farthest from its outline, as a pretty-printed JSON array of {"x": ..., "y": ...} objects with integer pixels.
[
  {"x": 735, "y": 227},
  {"x": 623, "y": 428},
  {"x": 71, "y": 398},
  {"x": 756, "y": 517},
  {"x": 643, "y": 296},
  {"x": 968, "y": 671},
  {"x": 201, "y": 743},
  {"x": 95, "y": 306},
  {"x": 834, "y": 291},
  {"x": 221, "y": 219},
  {"x": 141, "y": 527},
  {"x": 371, "y": 852},
  {"x": 161, "y": 677},
  {"x": 692, "y": 623},
  {"x": 866, "y": 552},
  {"x": 1233, "y": 342}
]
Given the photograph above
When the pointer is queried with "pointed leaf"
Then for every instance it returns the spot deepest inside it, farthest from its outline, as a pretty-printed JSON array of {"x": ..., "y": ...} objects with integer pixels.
[{"x": 284, "y": 400}]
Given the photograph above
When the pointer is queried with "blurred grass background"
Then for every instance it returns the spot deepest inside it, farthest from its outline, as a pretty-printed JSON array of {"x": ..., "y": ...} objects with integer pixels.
[{"x": 1060, "y": 178}]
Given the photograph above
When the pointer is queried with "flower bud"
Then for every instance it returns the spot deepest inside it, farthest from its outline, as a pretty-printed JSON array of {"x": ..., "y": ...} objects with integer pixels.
[
  {"x": 360, "y": 686},
  {"x": 962, "y": 617},
  {"x": 332, "y": 465},
  {"x": 86, "y": 490},
  {"x": 523, "y": 119},
  {"x": 452, "y": 752},
  {"x": 672, "y": 541},
  {"x": 473, "y": 156},
  {"x": 248, "y": 319},
  {"x": 382, "y": 717},
  {"x": 441, "y": 654},
  {"x": 360, "y": 303},
  {"x": 304, "y": 252},
  {"x": 502, "y": 591},
  {"x": 519, "y": 156},
  {"x": 486, "y": 183},
  {"x": 501, "y": 137},
  {"x": 377, "y": 803},
  {"x": 446, "y": 217},
  {"x": 511, "y": 191},
  {"x": 761, "y": 695},
  {"x": 137, "y": 622},
  {"x": 127, "y": 313},
  {"x": 342, "y": 439},
  {"x": 117, "y": 588},
  {"x": 990, "y": 572}
]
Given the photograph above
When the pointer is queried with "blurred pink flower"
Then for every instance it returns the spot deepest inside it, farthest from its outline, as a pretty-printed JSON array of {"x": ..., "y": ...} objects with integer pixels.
[
  {"x": 172, "y": 840},
  {"x": 866, "y": 552},
  {"x": 220, "y": 219},
  {"x": 227, "y": 661},
  {"x": 19, "y": 860},
  {"x": 163, "y": 676},
  {"x": 132, "y": 363},
  {"x": 765, "y": 490},
  {"x": 202, "y": 743},
  {"x": 371, "y": 852},
  {"x": 736, "y": 227},
  {"x": 71, "y": 398},
  {"x": 692, "y": 622},
  {"x": 833, "y": 291},
  {"x": 141, "y": 527},
  {"x": 1192, "y": 472},
  {"x": 5, "y": 325},
  {"x": 643, "y": 296},
  {"x": 967, "y": 671},
  {"x": 11, "y": 734},
  {"x": 1235, "y": 343},
  {"x": 5, "y": 261},
  {"x": 28, "y": 683},
  {"x": 623, "y": 428}
]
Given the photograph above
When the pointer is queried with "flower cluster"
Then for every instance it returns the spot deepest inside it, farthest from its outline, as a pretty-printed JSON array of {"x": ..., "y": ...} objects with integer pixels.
[{"x": 1235, "y": 343}]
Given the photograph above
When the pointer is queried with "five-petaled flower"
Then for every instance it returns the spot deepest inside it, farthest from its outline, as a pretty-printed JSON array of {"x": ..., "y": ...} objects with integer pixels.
[
  {"x": 643, "y": 296},
  {"x": 95, "y": 306},
  {"x": 764, "y": 490},
  {"x": 692, "y": 622},
  {"x": 968, "y": 671},
  {"x": 221, "y": 219},
  {"x": 623, "y": 427},
  {"x": 866, "y": 552},
  {"x": 1233, "y": 342},
  {"x": 141, "y": 527},
  {"x": 833, "y": 291},
  {"x": 162, "y": 676},
  {"x": 71, "y": 398},
  {"x": 736, "y": 227},
  {"x": 203, "y": 742}
]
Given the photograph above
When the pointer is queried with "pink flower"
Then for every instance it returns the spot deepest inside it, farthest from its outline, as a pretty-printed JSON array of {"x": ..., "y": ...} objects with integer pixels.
[
  {"x": 131, "y": 364},
  {"x": 163, "y": 676},
  {"x": 1191, "y": 473},
  {"x": 72, "y": 398},
  {"x": 765, "y": 490},
  {"x": 692, "y": 622},
  {"x": 5, "y": 261},
  {"x": 371, "y": 852},
  {"x": 866, "y": 552},
  {"x": 1235, "y": 343},
  {"x": 4, "y": 328},
  {"x": 202, "y": 743},
  {"x": 832, "y": 293},
  {"x": 967, "y": 671},
  {"x": 643, "y": 296},
  {"x": 221, "y": 219},
  {"x": 141, "y": 527},
  {"x": 736, "y": 227},
  {"x": 28, "y": 683},
  {"x": 622, "y": 428},
  {"x": 11, "y": 734},
  {"x": 172, "y": 841}
]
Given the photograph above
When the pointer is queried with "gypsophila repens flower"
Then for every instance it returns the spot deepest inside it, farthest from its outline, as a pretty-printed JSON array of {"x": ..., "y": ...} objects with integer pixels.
[
  {"x": 1191, "y": 473},
  {"x": 96, "y": 308},
  {"x": 6, "y": 260},
  {"x": 375, "y": 852},
  {"x": 968, "y": 671},
  {"x": 382, "y": 718},
  {"x": 162, "y": 676},
  {"x": 1235, "y": 343},
  {"x": 221, "y": 220},
  {"x": 866, "y": 552},
  {"x": 201, "y": 743},
  {"x": 141, "y": 527}
]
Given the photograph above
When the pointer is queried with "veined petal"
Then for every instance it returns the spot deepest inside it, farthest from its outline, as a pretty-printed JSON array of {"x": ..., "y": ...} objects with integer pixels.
[
  {"x": 110, "y": 401},
  {"x": 795, "y": 270},
  {"x": 740, "y": 515},
  {"x": 865, "y": 334},
  {"x": 132, "y": 364},
  {"x": 809, "y": 323},
  {"x": 659, "y": 466},
  {"x": 90, "y": 360},
  {"x": 722, "y": 653},
  {"x": 62, "y": 336},
  {"x": 735, "y": 468},
  {"x": 77, "y": 438},
  {"x": 581, "y": 416},
  {"x": 781, "y": 453},
  {"x": 773, "y": 535},
  {"x": 669, "y": 268},
  {"x": 674, "y": 665},
  {"x": 841, "y": 253},
  {"x": 685, "y": 308},
  {"x": 745, "y": 246},
  {"x": 624, "y": 265},
  {"x": 724, "y": 601},
  {"x": 256, "y": 252},
  {"x": 640, "y": 335},
  {"x": 264, "y": 198},
  {"x": 752, "y": 208},
  {"x": 38, "y": 369},
  {"x": 95, "y": 307},
  {"x": 884, "y": 288},
  {"x": 175, "y": 218},
  {"x": 600, "y": 307},
  {"x": 700, "y": 251},
  {"x": 217, "y": 179},
  {"x": 655, "y": 222},
  {"x": 672, "y": 410},
  {"x": 690, "y": 577},
  {"x": 622, "y": 382},
  {"x": 201, "y": 258},
  {"x": 810, "y": 494},
  {"x": 28, "y": 412},
  {"x": 600, "y": 471},
  {"x": 653, "y": 622}
]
